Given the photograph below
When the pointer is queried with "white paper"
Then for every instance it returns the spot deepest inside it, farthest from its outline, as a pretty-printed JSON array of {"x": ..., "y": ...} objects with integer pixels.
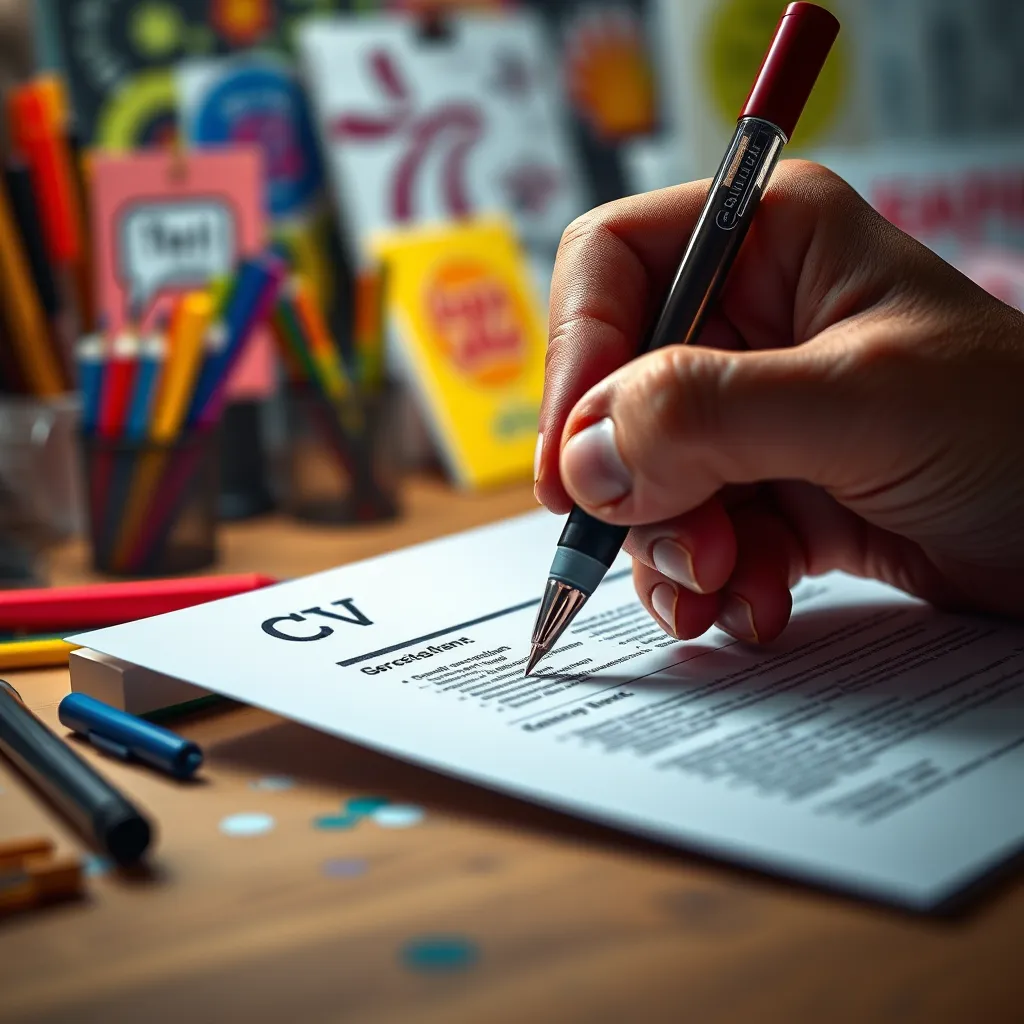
[{"x": 877, "y": 747}]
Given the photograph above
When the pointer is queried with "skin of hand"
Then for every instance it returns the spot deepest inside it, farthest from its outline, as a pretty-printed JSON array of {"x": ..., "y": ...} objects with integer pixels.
[{"x": 853, "y": 403}]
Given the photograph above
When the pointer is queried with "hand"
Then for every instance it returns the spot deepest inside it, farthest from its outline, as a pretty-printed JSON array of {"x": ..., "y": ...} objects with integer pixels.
[{"x": 854, "y": 403}]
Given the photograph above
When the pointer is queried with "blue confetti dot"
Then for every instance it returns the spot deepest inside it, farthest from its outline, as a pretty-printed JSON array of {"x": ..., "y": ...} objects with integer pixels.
[
  {"x": 341, "y": 867},
  {"x": 366, "y": 804},
  {"x": 440, "y": 953},
  {"x": 332, "y": 821}
]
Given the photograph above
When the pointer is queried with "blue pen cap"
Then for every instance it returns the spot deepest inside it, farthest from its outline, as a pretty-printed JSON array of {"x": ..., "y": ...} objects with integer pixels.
[{"x": 129, "y": 737}]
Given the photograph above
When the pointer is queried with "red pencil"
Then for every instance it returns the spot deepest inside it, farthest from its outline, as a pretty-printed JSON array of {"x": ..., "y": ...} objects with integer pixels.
[
  {"x": 118, "y": 385},
  {"x": 107, "y": 604}
]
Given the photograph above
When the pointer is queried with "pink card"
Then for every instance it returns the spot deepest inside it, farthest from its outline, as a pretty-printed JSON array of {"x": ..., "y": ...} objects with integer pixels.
[{"x": 166, "y": 222}]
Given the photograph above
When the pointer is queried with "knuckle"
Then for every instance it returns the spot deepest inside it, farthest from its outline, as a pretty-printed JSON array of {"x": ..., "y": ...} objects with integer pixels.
[{"x": 673, "y": 393}]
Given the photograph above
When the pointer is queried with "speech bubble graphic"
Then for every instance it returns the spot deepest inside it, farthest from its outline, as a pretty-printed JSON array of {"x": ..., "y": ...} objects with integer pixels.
[{"x": 174, "y": 244}]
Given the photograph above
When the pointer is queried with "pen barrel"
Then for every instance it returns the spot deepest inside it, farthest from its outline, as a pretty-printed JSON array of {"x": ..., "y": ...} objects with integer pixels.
[
  {"x": 721, "y": 228},
  {"x": 115, "y": 730},
  {"x": 88, "y": 800}
]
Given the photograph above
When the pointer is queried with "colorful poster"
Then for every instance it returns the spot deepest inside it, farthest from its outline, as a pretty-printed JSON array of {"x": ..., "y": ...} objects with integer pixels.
[
  {"x": 165, "y": 223},
  {"x": 605, "y": 60},
  {"x": 255, "y": 99},
  {"x": 418, "y": 129},
  {"x": 119, "y": 55},
  {"x": 469, "y": 326}
]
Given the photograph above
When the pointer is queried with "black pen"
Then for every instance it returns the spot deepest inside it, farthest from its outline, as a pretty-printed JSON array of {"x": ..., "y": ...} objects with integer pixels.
[
  {"x": 97, "y": 809},
  {"x": 802, "y": 40}
]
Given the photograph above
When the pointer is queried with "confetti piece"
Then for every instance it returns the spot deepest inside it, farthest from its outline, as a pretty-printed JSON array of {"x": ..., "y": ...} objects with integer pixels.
[
  {"x": 398, "y": 816},
  {"x": 366, "y": 804},
  {"x": 273, "y": 783},
  {"x": 329, "y": 821},
  {"x": 248, "y": 823},
  {"x": 440, "y": 953},
  {"x": 93, "y": 865},
  {"x": 341, "y": 867}
]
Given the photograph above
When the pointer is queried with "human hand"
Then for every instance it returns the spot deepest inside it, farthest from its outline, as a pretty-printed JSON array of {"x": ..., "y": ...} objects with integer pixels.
[{"x": 854, "y": 403}]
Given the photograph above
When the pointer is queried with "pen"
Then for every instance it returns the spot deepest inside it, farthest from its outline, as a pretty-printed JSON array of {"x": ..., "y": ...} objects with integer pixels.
[
  {"x": 118, "y": 381},
  {"x": 802, "y": 40},
  {"x": 87, "y": 799},
  {"x": 108, "y": 604},
  {"x": 129, "y": 738}
]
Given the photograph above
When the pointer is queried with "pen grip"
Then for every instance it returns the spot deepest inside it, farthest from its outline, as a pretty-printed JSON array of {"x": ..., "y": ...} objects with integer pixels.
[{"x": 599, "y": 540}]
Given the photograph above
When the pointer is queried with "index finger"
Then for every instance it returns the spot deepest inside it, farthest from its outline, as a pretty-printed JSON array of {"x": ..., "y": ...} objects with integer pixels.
[{"x": 613, "y": 264}]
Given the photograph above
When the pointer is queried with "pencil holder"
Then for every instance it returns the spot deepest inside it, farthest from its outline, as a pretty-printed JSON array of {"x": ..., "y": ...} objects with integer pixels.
[
  {"x": 152, "y": 508},
  {"x": 340, "y": 459}
]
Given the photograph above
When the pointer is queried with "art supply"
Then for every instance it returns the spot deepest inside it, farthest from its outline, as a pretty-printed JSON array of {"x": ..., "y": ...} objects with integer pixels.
[
  {"x": 124, "y": 736},
  {"x": 13, "y": 852},
  {"x": 34, "y": 110},
  {"x": 151, "y": 357},
  {"x": 27, "y": 215},
  {"x": 802, "y": 41},
  {"x": 104, "y": 604},
  {"x": 133, "y": 689},
  {"x": 874, "y": 748},
  {"x": 97, "y": 809},
  {"x": 249, "y": 302},
  {"x": 118, "y": 382},
  {"x": 50, "y": 652},
  {"x": 29, "y": 332},
  {"x": 40, "y": 881},
  {"x": 189, "y": 324},
  {"x": 90, "y": 362}
]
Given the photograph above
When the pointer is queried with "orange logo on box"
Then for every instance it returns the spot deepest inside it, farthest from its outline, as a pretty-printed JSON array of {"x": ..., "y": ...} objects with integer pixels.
[{"x": 478, "y": 322}]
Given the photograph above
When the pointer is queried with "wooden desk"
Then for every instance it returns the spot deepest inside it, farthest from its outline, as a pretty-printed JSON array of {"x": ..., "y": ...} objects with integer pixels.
[{"x": 572, "y": 922}]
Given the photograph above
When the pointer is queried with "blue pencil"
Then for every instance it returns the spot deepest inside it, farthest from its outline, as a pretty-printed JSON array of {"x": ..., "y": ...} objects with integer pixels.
[
  {"x": 152, "y": 353},
  {"x": 254, "y": 287},
  {"x": 90, "y": 360}
]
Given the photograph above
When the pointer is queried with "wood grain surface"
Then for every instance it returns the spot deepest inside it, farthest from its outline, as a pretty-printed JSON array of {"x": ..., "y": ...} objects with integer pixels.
[{"x": 572, "y": 922}]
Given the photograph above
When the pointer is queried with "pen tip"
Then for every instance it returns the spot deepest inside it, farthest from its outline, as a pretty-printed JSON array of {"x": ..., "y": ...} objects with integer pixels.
[{"x": 536, "y": 653}]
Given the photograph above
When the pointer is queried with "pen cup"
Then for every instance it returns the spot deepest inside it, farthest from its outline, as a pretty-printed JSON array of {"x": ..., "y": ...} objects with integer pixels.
[
  {"x": 152, "y": 508},
  {"x": 341, "y": 460}
]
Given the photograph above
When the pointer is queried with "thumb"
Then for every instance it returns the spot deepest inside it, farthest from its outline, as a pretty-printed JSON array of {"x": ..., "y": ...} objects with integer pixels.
[{"x": 668, "y": 430}]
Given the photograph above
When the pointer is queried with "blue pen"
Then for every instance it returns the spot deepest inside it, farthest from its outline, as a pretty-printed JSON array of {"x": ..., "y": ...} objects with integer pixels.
[
  {"x": 151, "y": 362},
  {"x": 129, "y": 738},
  {"x": 240, "y": 307}
]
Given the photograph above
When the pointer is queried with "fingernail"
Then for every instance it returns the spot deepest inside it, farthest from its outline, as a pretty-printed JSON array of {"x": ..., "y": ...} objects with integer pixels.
[
  {"x": 593, "y": 467},
  {"x": 671, "y": 559},
  {"x": 663, "y": 597},
  {"x": 537, "y": 452},
  {"x": 737, "y": 617}
]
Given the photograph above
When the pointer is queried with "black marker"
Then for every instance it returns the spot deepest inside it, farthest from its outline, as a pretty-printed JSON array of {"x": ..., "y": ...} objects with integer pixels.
[
  {"x": 93, "y": 805},
  {"x": 790, "y": 68}
]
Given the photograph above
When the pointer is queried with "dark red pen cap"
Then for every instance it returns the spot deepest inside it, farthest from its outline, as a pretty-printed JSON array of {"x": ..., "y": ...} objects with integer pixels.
[{"x": 791, "y": 66}]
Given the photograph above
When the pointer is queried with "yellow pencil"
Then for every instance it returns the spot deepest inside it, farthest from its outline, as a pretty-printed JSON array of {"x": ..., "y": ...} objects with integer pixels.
[
  {"x": 29, "y": 333},
  {"x": 34, "y": 653},
  {"x": 187, "y": 336}
]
